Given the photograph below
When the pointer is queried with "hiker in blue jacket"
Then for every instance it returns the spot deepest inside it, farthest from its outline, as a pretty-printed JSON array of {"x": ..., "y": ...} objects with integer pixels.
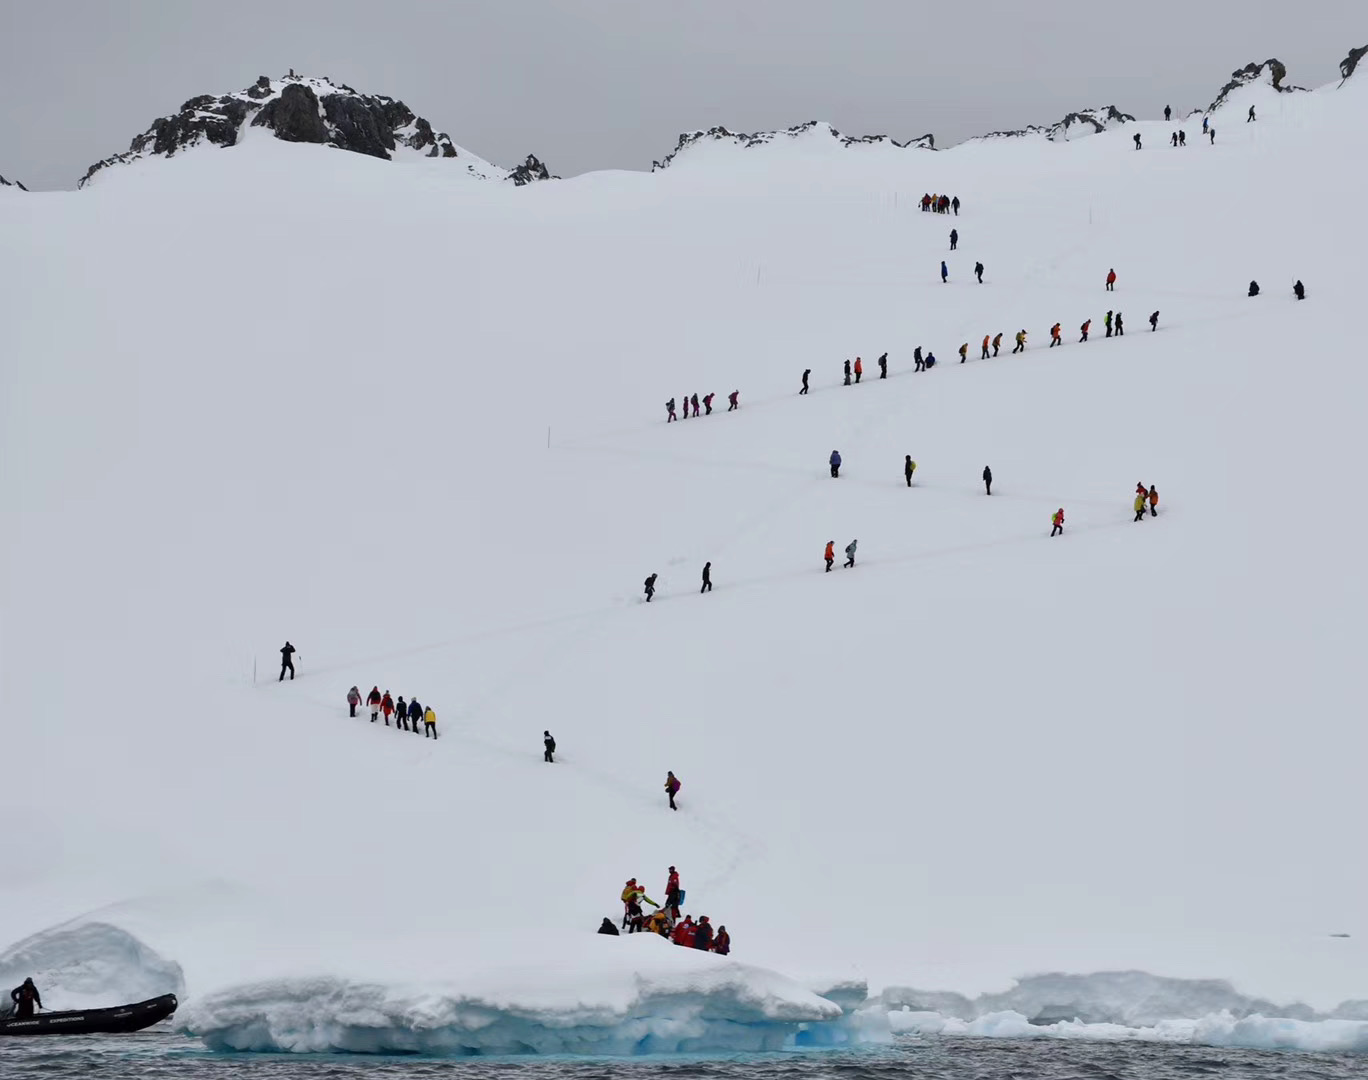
[
  {"x": 945, "y": 272},
  {"x": 835, "y": 463},
  {"x": 415, "y": 714}
]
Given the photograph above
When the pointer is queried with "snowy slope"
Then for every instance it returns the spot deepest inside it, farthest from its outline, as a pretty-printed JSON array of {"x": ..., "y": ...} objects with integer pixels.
[{"x": 979, "y": 755}]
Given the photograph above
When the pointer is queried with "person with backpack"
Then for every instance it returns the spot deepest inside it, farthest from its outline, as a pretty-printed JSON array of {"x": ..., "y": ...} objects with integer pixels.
[
  {"x": 1136, "y": 137},
  {"x": 672, "y": 786},
  {"x": 964, "y": 352},
  {"x": 703, "y": 935},
  {"x": 806, "y": 373},
  {"x": 1299, "y": 290},
  {"x": 859, "y": 368},
  {"x": 835, "y": 462},
  {"x": 549, "y": 751},
  {"x": 670, "y": 416},
  {"x": 674, "y": 895},
  {"x": 1182, "y": 137},
  {"x": 983, "y": 353},
  {"x": 945, "y": 272},
  {"x": 955, "y": 205},
  {"x": 987, "y": 480},
  {"x": 954, "y": 239},
  {"x": 287, "y": 662},
  {"x": 429, "y": 723},
  {"x": 387, "y": 707},
  {"x": 1086, "y": 324},
  {"x": 1020, "y": 342},
  {"x": 850, "y": 554},
  {"x": 997, "y": 342},
  {"x": 707, "y": 578},
  {"x": 1153, "y": 501},
  {"x": 707, "y": 403},
  {"x": 415, "y": 712},
  {"x": 830, "y": 554},
  {"x": 694, "y": 402},
  {"x": 732, "y": 400},
  {"x": 1119, "y": 325},
  {"x": 1111, "y": 280},
  {"x": 373, "y": 700},
  {"x": 1057, "y": 522},
  {"x": 909, "y": 467},
  {"x": 1253, "y": 288},
  {"x": 1140, "y": 503},
  {"x": 353, "y": 699},
  {"x": 1154, "y": 321},
  {"x": 883, "y": 366},
  {"x": 846, "y": 382},
  {"x": 978, "y": 272},
  {"x": 650, "y": 587},
  {"x": 401, "y": 713},
  {"x": 1054, "y": 336},
  {"x": 1107, "y": 322}
]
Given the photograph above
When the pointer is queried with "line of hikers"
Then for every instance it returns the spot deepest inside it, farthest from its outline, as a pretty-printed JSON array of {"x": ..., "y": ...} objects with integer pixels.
[
  {"x": 665, "y": 920},
  {"x": 733, "y": 403},
  {"x": 1298, "y": 289},
  {"x": 941, "y": 204},
  {"x": 403, "y": 712}
]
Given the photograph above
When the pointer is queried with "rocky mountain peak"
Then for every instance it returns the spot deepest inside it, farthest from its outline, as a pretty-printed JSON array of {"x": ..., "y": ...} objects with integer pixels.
[
  {"x": 302, "y": 109},
  {"x": 1272, "y": 69},
  {"x": 762, "y": 138},
  {"x": 1350, "y": 62},
  {"x": 12, "y": 183},
  {"x": 1072, "y": 126}
]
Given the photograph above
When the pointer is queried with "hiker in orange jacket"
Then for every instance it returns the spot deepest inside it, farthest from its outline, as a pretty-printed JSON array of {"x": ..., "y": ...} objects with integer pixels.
[
  {"x": 1154, "y": 501},
  {"x": 984, "y": 355},
  {"x": 1111, "y": 280},
  {"x": 830, "y": 554},
  {"x": 1057, "y": 520},
  {"x": 859, "y": 368},
  {"x": 1086, "y": 323},
  {"x": 1054, "y": 336}
]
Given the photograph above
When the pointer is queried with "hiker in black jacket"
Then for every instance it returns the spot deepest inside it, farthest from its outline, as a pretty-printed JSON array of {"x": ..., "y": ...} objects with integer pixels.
[
  {"x": 988, "y": 480},
  {"x": 550, "y": 744},
  {"x": 287, "y": 662}
]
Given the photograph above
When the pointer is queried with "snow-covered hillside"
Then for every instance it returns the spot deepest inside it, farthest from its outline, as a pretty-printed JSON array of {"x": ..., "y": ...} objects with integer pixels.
[
  {"x": 303, "y": 109},
  {"x": 429, "y": 448}
]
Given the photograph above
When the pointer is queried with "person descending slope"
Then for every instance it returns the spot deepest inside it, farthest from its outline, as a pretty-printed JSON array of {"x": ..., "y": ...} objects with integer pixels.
[
  {"x": 549, "y": 751},
  {"x": 909, "y": 467},
  {"x": 733, "y": 400},
  {"x": 930, "y": 361},
  {"x": 353, "y": 699},
  {"x": 670, "y": 416},
  {"x": 997, "y": 342},
  {"x": 707, "y": 578},
  {"x": 1086, "y": 324},
  {"x": 373, "y": 700},
  {"x": 983, "y": 355},
  {"x": 859, "y": 368},
  {"x": 1054, "y": 336},
  {"x": 287, "y": 662},
  {"x": 429, "y": 723},
  {"x": 850, "y": 553},
  {"x": 1136, "y": 137},
  {"x": 650, "y": 587},
  {"x": 1020, "y": 342},
  {"x": 672, "y": 786},
  {"x": 1154, "y": 321},
  {"x": 987, "y": 480},
  {"x": 835, "y": 463},
  {"x": 954, "y": 239},
  {"x": 1057, "y": 521},
  {"x": 945, "y": 272},
  {"x": 964, "y": 352},
  {"x": 1111, "y": 280},
  {"x": 806, "y": 373},
  {"x": 830, "y": 554},
  {"x": 1139, "y": 505},
  {"x": 846, "y": 382},
  {"x": 1154, "y": 501},
  {"x": 883, "y": 366},
  {"x": 1299, "y": 290}
]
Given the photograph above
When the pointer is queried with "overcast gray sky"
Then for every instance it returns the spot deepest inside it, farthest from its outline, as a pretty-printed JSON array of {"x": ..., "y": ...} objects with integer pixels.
[{"x": 595, "y": 84}]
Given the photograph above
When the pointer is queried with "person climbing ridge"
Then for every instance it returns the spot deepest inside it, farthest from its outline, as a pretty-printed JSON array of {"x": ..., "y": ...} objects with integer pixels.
[
  {"x": 733, "y": 400},
  {"x": 1054, "y": 336},
  {"x": 694, "y": 401},
  {"x": 387, "y": 707},
  {"x": 1299, "y": 290},
  {"x": 429, "y": 722},
  {"x": 1119, "y": 325},
  {"x": 847, "y": 374},
  {"x": 1086, "y": 323},
  {"x": 287, "y": 662},
  {"x": 987, "y": 480},
  {"x": 835, "y": 462},
  {"x": 401, "y": 713},
  {"x": 954, "y": 239},
  {"x": 984, "y": 354},
  {"x": 1205, "y": 121},
  {"x": 672, "y": 786},
  {"x": 964, "y": 352},
  {"x": 1250, "y": 118},
  {"x": 416, "y": 712},
  {"x": 707, "y": 578},
  {"x": 373, "y": 700},
  {"x": 997, "y": 342},
  {"x": 1111, "y": 280},
  {"x": 1107, "y": 323},
  {"x": 909, "y": 467},
  {"x": 1154, "y": 501},
  {"x": 1139, "y": 506},
  {"x": 850, "y": 553},
  {"x": 978, "y": 272},
  {"x": 1154, "y": 321},
  {"x": 685, "y": 415},
  {"x": 1182, "y": 137},
  {"x": 830, "y": 554},
  {"x": 1020, "y": 342},
  {"x": 806, "y": 373},
  {"x": 670, "y": 416},
  {"x": 549, "y": 753},
  {"x": 945, "y": 272},
  {"x": 1057, "y": 521},
  {"x": 883, "y": 366},
  {"x": 1136, "y": 137},
  {"x": 650, "y": 587},
  {"x": 707, "y": 403},
  {"x": 353, "y": 699},
  {"x": 859, "y": 368}
]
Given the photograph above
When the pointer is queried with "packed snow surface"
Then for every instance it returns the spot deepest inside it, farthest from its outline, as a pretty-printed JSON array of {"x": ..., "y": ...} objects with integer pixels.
[{"x": 288, "y": 393}]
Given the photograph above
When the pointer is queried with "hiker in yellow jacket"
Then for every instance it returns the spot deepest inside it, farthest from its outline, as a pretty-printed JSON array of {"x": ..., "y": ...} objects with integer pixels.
[
  {"x": 1020, "y": 341},
  {"x": 429, "y": 723},
  {"x": 1141, "y": 502}
]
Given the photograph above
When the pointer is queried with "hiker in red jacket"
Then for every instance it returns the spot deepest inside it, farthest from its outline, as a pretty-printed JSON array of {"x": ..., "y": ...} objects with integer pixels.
[
  {"x": 672, "y": 896},
  {"x": 387, "y": 707},
  {"x": 1111, "y": 281},
  {"x": 722, "y": 942},
  {"x": 685, "y": 933},
  {"x": 703, "y": 934}
]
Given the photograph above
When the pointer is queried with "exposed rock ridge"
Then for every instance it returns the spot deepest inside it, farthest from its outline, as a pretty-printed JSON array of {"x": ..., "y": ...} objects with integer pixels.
[{"x": 762, "y": 138}]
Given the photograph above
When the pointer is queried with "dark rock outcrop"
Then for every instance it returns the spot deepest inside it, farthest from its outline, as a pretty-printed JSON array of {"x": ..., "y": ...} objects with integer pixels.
[
  {"x": 1276, "y": 70},
  {"x": 15, "y": 183},
  {"x": 761, "y": 138},
  {"x": 1350, "y": 62},
  {"x": 306, "y": 110},
  {"x": 1084, "y": 121}
]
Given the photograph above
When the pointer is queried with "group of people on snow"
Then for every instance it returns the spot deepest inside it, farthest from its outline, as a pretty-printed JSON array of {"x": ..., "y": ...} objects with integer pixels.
[
  {"x": 650, "y": 582},
  {"x": 404, "y": 713},
  {"x": 693, "y": 402},
  {"x": 1146, "y": 498},
  {"x": 940, "y": 204},
  {"x": 665, "y": 920}
]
